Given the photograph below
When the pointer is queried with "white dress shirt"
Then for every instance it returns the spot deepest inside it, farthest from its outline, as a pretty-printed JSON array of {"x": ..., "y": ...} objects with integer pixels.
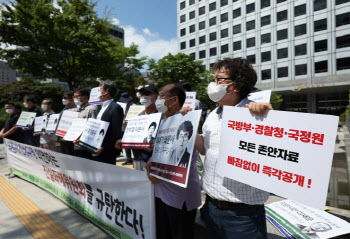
[{"x": 104, "y": 107}]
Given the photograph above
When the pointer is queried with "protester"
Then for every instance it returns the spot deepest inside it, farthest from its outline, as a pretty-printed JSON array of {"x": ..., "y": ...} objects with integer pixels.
[
  {"x": 28, "y": 134},
  {"x": 86, "y": 111},
  {"x": 48, "y": 141},
  {"x": 10, "y": 131},
  {"x": 67, "y": 147},
  {"x": 18, "y": 109},
  {"x": 175, "y": 206},
  {"x": 187, "y": 87},
  {"x": 113, "y": 113}
]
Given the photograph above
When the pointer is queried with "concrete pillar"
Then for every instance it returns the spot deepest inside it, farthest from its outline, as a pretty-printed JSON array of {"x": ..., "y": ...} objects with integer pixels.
[{"x": 311, "y": 102}]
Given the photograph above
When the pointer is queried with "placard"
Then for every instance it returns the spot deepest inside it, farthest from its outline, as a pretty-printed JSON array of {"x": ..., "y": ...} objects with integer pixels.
[
  {"x": 93, "y": 135},
  {"x": 40, "y": 124},
  {"x": 52, "y": 123},
  {"x": 134, "y": 110},
  {"x": 258, "y": 96},
  {"x": 75, "y": 130},
  {"x": 65, "y": 122},
  {"x": 94, "y": 98},
  {"x": 190, "y": 100},
  {"x": 26, "y": 120},
  {"x": 173, "y": 149}
]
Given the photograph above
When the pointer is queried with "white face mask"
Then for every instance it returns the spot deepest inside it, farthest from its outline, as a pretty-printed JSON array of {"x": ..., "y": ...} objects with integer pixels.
[
  {"x": 65, "y": 102},
  {"x": 217, "y": 91},
  {"x": 44, "y": 107},
  {"x": 160, "y": 105},
  {"x": 9, "y": 111},
  {"x": 25, "y": 105},
  {"x": 77, "y": 101},
  {"x": 138, "y": 95},
  {"x": 146, "y": 100}
]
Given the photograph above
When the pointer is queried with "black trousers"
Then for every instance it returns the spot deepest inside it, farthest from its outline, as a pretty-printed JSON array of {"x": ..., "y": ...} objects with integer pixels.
[
  {"x": 67, "y": 147},
  {"x": 173, "y": 223},
  {"x": 83, "y": 154}
]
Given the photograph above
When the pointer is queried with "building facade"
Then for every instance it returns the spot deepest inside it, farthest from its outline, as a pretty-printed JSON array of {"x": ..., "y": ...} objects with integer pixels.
[
  {"x": 7, "y": 74},
  {"x": 299, "y": 49}
]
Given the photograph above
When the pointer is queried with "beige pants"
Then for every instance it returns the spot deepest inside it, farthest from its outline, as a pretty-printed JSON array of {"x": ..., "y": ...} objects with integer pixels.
[{"x": 50, "y": 145}]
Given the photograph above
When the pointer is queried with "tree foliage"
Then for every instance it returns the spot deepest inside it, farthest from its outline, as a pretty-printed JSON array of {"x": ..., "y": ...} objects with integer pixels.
[{"x": 276, "y": 101}]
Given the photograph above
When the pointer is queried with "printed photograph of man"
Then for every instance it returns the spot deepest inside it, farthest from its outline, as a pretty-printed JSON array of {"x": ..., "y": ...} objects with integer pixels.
[
  {"x": 100, "y": 136},
  {"x": 180, "y": 155},
  {"x": 311, "y": 230},
  {"x": 149, "y": 138},
  {"x": 44, "y": 126}
]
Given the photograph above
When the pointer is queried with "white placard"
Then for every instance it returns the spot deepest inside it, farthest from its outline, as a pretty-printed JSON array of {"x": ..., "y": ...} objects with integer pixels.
[
  {"x": 40, "y": 124},
  {"x": 93, "y": 135},
  {"x": 173, "y": 149},
  {"x": 75, "y": 130},
  {"x": 190, "y": 100},
  {"x": 52, "y": 123},
  {"x": 141, "y": 131},
  {"x": 134, "y": 110},
  {"x": 94, "y": 96},
  {"x": 26, "y": 120},
  {"x": 259, "y": 96},
  {"x": 286, "y": 153},
  {"x": 65, "y": 122}
]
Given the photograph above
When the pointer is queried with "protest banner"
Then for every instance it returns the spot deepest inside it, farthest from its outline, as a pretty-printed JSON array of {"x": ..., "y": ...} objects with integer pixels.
[
  {"x": 94, "y": 98},
  {"x": 259, "y": 96},
  {"x": 173, "y": 149},
  {"x": 118, "y": 200},
  {"x": 40, "y": 124},
  {"x": 75, "y": 130},
  {"x": 141, "y": 131},
  {"x": 52, "y": 123},
  {"x": 123, "y": 105},
  {"x": 190, "y": 100},
  {"x": 296, "y": 220},
  {"x": 289, "y": 154},
  {"x": 26, "y": 120},
  {"x": 65, "y": 122},
  {"x": 93, "y": 135},
  {"x": 134, "y": 110}
]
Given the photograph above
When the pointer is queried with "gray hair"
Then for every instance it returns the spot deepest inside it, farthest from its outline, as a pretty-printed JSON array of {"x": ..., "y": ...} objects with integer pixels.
[
  {"x": 49, "y": 101},
  {"x": 111, "y": 86}
]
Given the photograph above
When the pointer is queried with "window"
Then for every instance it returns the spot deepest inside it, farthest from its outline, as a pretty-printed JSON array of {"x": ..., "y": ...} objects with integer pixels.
[
  {"x": 237, "y": 45},
  {"x": 343, "y": 41},
  {"x": 343, "y": 63},
  {"x": 201, "y": 39},
  {"x": 251, "y": 59},
  {"x": 234, "y": 0},
  {"x": 279, "y": 1},
  {"x": 191, "y": 2},
  {"x": 264, "y": 3},
  {"x": 212, "y": 21},
  {"x": 182, "y": 5},
  {"x": 236, "y": 29},
  {"x": 224, "y": 48},
  {"x": 224, "y": 17},
  {"x": 183, "y": 45},
  {"x": 223, "y": 2},
  {"x": 337, "y": 2},
  {"x": 300, "y": 50},
  {"x": 265, "y": 20},
  {"x": 212, "y": 36},
  {"x": 201, "y": 25},
  {"x": 224, "y": 33},
  {"x": 212, "y": 51},
  {"x": 201, "y": 54},
  {"x": 281, "y": 16},
  {"x": 212, "y": 6},
  {"x": 192, "y": 28},
  {"x": 320, "y": 25},
  {"x": 201, "y": 10},
  {"x": 192, "y": 14},
  {"x": 211, "y": 65},
  {"x": 266, "y": 74},
  {"x": 236, "y": 13},
  {"x": 301, "y": 69},
  {"x": 300, "y": 30},
  {"x": 282, "y": 72},
  {"x": 321, "y": 45},
  {"x": 183, "y": 32},
  {"x": 251, "y": 42},
  {"x": 282, "y": 34},
  {"x": 319, "y": 5},
  {"x": 265, "y": 38},
  {"x": 192, "y": 42},
  {"x": 282, "y": 53},
  {"x": 250, "y": 8},
  {"x": 343, "y": 19},
  {"x": 182, "y": 18},
  {"x": 321, "y": 66},
  {"x": 251, "y": 25},
  {"x": 265, "y": 56},
  {"x": 300, "y": 10}
]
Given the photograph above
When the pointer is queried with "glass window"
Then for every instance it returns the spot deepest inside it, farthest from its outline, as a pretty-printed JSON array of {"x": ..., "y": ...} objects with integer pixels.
[
  {"x": 192, "y": 28},
  {"x": 201, "y": 25},
  {"x": 237, "y": 45},
  {"x": 319, "y": 5},
  {"x": 279, "y": 1},
  {"x": 321, "y": 45},
  {"x": 343, "y": 41},
  {"x": 282, "y": 72},
  {"x": 282, "y": 34},
  {"x": 212, "y": 51},
  {"x": 201, "y": 39},
  {"x": 236, "y": 29},
  {"x": 266, "y": 20},
  {"x": 343, "y": 63},
  {"x": 183, "y": 32},
  {"x": 320, "y": 25},
  {"x": 212, "y": 6},
  {"x": 224, "y": 17},
  {"x": 182, "y": 5},
  {"x": 201, "y": 10},
  {"x": 300, "y": 10},
  {"x": 251, "y": 25},
  {"x": 301, "y": 69},
  {"x": 281, "y": 16},
  {"x": 250, "y": 8},
  {"x": 192, "y": 14},
  {"x": 300, "y": 30},
  {"x": 223, "y": 2},
  {"x": 282, "y": 53},
  {"x": 234, "y": 0},
  {"x": 211, "y": 65},
  {"x": 337, "y": 2},
  {"x": 224, "y": 33},
  {"x": 236, "y": 13},
  {"x": 265, "y": 56},
  {"x": 265, "y": 38},
  {"x": 224, "y": 48},
  {"x": 191, "y": 2},
  {"x": 264, "y": 3},
  {"x": 183, "y": 45},
  {"x": 182, "y": 18},
  {"x": 212, "y": 21},
  {"x": 343, "y": 19},
  {"x": 192, "y": 42},
  {"x": 251, "y": 42},
  {"x": 321, "y": 66},
  {"x": 300, "y": 50},
  {"x": 251, "y": 59},
  {"x": 201, "y": 54},
  {"x": 266, "y": 74},
  {"x": 212, "y": 36}
]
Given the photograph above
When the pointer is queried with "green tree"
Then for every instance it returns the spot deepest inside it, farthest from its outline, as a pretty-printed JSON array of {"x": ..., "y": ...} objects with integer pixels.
[
  {"x": 70, "y": 43},
  {"x": 276, "y": 101}
]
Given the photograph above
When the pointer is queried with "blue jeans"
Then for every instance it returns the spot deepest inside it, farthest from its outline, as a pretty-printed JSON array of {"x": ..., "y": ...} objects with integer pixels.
[{"x": 241, "y": 221}]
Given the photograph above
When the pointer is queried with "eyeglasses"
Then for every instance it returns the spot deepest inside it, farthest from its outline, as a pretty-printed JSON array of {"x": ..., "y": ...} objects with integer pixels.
[{"x": 220, "y": 80}]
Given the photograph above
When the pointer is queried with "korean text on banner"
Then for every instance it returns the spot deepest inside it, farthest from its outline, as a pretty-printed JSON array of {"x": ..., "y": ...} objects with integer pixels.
[
  {"x": 40, "y": 124},
  {"x": 93, "y": 135},
  {"x": 134, "y": 110},
  {"x": 94, "y": 96},
  {"x": 141, "y": 131},
  {"x": 75, "y": 130},
  {"x": 52, "y": 123},
  {"x": 301, "y": 221},
  {"x": 286, "y": 153},
  {"x": 117, "y": 199},
  {"x": 26, "y": 120},
  {"x": 173, "y": 149},
  {"x": 190, "y": 100},
  {"x": 65, "y": 122}
]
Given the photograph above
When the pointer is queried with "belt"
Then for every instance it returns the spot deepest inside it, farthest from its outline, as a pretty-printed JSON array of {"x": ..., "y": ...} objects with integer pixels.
[{"x": 225, "y": 204}]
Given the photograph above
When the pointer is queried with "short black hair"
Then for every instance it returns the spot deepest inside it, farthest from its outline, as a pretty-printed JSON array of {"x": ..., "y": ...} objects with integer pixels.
[
  {"x": 84, "y": 92},
  {"x": 186, "y": 126},
  {"x": 241, "y": 73},
  {"x": 49, "y": 101},
  {"x": 186, "y": 85},
  {"x": 29, "y": 98},
  {"x": 70, "y": 93},
  {"x": 153, "y": 124},
  {"x": 178, "y": 90},
  {"x": 102, "y": 131},
  {"x": 111, "y": 86},
  {"x": 18, "y": 107},
  {"x": 11, "y": 103}
]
